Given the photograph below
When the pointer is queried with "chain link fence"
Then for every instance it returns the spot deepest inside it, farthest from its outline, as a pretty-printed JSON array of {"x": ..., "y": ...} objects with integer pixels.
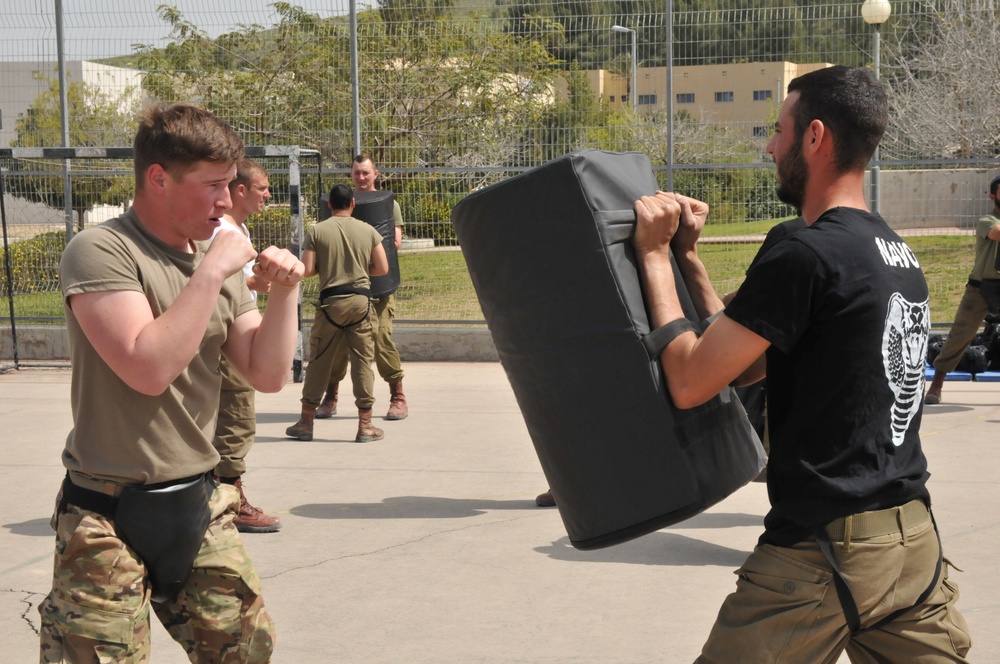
[{"x": 449, "y": 96}]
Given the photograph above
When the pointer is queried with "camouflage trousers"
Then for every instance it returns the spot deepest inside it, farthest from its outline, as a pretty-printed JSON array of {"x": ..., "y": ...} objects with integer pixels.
[{"x": 98, "y": 610}]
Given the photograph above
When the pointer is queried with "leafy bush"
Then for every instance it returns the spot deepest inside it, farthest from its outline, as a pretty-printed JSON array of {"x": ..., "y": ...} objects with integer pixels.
[{"x": 34, "y": 263}]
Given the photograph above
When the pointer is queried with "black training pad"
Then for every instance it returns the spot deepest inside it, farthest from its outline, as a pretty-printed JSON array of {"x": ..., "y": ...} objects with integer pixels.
[
  {"x": 375, "y": 209},
  {"x": 551, "y": 259}
]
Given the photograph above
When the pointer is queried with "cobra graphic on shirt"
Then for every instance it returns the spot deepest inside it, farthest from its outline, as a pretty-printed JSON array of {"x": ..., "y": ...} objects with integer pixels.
[{"x": 904, "y": 347}]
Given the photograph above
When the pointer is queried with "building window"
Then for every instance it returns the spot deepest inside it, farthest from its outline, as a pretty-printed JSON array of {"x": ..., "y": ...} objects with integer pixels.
[
  {"x": 723, "y": 96},
  {"x": 761, "y": 95},
  {"x": 761, "y": 132},
  {"x": 685, "y": 98},
  {"x": 624, "y": 98},
  {"x": 647, "y": 99},
  {"x": 611, "y": 99}
]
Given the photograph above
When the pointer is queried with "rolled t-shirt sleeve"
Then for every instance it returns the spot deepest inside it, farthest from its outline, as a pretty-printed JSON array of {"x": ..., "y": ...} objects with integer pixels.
[
  {"x": 780, "y": 295},
  {"x": 97, "y": 260}
]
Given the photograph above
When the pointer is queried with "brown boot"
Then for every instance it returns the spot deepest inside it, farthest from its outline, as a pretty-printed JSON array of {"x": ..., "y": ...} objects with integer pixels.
[
  {"x": 933, "y": 395},
  {"x": 367, "y": 432},
  {"x": 303, "y": 429},
  {"x": 545, "y": 499},
  {"x": 397, "y": 402},
  {"x": 252, "y": 519},
  {"x": 328, "y": 408}
]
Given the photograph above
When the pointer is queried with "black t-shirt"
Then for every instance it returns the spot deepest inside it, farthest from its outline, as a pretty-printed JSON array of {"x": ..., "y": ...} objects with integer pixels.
[
  {"x": 844, "y": 304},
  {"x": 778, "y": 232}
]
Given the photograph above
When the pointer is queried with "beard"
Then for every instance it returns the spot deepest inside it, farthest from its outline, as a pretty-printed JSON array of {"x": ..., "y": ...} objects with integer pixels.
[{"x": 793, "y": 171}]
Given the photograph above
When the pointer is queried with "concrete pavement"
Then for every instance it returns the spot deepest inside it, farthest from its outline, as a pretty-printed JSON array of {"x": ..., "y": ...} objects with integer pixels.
[{"x": 427, "y": 546}]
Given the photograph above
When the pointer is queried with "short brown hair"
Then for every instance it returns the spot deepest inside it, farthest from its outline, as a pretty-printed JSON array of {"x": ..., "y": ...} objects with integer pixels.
[
  {"x": 246, "y": 169},
  {"x": 178, "y": 136},
  {"x": 362, "y": 158}
]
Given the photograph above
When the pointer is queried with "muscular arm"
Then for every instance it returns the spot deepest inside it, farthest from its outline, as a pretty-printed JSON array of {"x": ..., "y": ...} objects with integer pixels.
[
  {"x": 262, "y": 347},
  {"x": 148, "y": 352},
  {"x": 696, "y": 368}
]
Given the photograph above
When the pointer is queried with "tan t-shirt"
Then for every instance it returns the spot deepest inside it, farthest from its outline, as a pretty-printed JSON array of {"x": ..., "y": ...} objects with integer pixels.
[
  {"x": 343, "y": 247},
  {"x": 120, "y": 435},
  {"x": 986, "y": 250}
]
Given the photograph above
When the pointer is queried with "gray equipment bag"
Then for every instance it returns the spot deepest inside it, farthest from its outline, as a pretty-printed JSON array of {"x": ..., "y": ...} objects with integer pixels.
[{"x": 551, "y": 259}]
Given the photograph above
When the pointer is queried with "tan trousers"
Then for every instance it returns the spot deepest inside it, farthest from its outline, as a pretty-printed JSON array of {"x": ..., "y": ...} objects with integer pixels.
[
  {"x": 972, "y": 311},
  {"x": 357, "y": 342},
  {"x": 237, "y": 424},
  {"x": 386, "y": 354},
  {"x": 786, "y": 608}
]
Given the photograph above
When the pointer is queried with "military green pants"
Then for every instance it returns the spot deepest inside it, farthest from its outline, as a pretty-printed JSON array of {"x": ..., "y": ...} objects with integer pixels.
[
  {"x": 972, "y": 311},
  {"x": 386, "y": 354},
  {"x": 237, "y": 424},
  {"x": 98, "y": 609},
  {"x": 786, "y": 609},
  {"x": 355, "y": 341}
]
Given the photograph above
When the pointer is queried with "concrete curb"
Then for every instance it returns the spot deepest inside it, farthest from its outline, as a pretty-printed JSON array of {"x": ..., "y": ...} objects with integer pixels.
[{"x": 48, "y": 343}]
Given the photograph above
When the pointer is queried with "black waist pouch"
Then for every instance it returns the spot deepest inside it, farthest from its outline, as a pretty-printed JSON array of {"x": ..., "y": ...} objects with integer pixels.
[{"x": 166, "y": 525}]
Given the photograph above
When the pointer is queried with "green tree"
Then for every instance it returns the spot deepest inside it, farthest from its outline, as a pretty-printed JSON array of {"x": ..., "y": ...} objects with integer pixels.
[
  {"x": 447, "y": 91},
  {"x": 97, "y": 119},
  {"x": 288, "y": 84}
]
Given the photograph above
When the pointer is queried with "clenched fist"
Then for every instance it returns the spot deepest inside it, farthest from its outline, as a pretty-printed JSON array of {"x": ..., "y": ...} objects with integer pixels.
[{"x": 279, "y": 266}]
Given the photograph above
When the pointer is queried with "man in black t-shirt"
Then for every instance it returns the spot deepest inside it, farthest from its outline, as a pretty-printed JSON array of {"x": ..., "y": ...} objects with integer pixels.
[{"x": 849, "y": 558}]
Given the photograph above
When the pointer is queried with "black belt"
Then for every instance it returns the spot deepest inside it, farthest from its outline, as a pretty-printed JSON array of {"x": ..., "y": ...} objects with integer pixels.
[
  {"x": 334, "y": 291},
  {"x": 165, "y": 524},
  {"x": 343, "y": 290},
  {"x": 102, "y": 503}
]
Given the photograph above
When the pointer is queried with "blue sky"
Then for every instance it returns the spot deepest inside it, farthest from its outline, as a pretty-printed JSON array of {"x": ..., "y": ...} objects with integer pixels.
[{"x": 101, "y": 28}]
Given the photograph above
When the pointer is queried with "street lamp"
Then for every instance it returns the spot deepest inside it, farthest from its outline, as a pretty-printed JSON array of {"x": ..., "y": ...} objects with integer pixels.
[
  {"x": 635, "y": 79},
  {"x": 875, "y": 13}
]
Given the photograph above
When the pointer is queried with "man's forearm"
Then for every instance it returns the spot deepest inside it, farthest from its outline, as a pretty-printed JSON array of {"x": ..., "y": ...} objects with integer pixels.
[
  {"x": 699, "y": 286},
  {"x": 275, "y": 340},
  {"x": 660, "y": 289}
]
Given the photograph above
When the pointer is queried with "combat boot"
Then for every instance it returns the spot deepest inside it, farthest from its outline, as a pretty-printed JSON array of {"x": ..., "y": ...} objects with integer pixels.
[
  {"x": 397, "y": 402},
  {"x": 252, "y": 519},
  {"x": 328, "y": 408},
  {"x": 303, "y": 429},
  {"x": 367, "y": 432}
]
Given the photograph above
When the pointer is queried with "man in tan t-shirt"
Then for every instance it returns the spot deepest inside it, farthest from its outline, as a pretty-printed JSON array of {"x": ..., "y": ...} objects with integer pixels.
[
  {"x": 237, "y": 425},
  {"x": 345, "y": 252},
  {"x": 151, "y": 307},
  {"x": 364, "y": 176}
]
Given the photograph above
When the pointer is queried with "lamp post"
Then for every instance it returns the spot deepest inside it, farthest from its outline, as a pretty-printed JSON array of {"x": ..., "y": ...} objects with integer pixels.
[
  {"x": 875, "y": 13},
  {"x": 635, "y": 80}
]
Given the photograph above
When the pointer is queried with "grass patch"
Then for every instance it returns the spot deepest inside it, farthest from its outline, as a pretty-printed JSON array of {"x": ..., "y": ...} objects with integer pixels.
[{"x": 436, "y": 285}]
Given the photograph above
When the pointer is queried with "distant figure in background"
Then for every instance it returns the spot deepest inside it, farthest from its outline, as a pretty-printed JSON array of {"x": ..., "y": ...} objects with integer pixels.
[
  {"x": 237, "y": 424},
  {"x": 364, "y": 175},
  {"x": 982, "y": 295},
  {"x": 345, "y": 252}
]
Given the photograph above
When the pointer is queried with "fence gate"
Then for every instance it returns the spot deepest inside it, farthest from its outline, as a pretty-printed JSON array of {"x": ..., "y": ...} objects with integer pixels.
[{"x": 48, "y": 194}]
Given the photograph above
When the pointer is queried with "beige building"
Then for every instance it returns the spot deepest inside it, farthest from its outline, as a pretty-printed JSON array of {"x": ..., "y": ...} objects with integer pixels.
[
  {"x": 22, "y": 82},
  {"x": 748, "y": 93}
]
